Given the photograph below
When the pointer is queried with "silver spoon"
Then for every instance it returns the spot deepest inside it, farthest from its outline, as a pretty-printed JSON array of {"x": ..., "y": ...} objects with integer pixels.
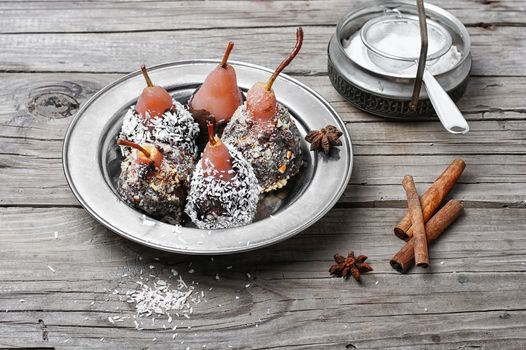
[{"x": 393, "y": 43}]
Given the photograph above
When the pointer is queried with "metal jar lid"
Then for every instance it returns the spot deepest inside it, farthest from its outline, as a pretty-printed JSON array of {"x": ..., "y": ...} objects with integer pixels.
[{"x": 384, "y": 94}]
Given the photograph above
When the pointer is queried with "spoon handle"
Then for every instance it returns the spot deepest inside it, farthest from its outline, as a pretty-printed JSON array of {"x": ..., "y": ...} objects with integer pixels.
[{"x": 447, "y": 111}]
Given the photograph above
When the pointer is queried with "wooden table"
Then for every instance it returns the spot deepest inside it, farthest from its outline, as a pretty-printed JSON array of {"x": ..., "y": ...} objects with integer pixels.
[{"x": 56, "y": 54}]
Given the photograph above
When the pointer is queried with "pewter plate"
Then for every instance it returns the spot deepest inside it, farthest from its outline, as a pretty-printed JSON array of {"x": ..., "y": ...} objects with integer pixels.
[{"x": 92, "y": 164}]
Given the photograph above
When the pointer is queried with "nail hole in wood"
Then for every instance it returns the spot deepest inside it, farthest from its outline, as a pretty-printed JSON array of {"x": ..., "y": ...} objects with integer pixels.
[{"x": 43, "y": 328}]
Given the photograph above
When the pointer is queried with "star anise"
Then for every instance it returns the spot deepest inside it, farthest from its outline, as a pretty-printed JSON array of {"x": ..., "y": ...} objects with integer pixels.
[
  {"x": 350, "y": 265},
  {"x": 324, "y": 139}
]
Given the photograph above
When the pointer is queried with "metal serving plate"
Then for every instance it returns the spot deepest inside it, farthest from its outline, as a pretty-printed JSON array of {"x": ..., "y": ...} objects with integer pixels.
[{"x": 92, "y": 164}]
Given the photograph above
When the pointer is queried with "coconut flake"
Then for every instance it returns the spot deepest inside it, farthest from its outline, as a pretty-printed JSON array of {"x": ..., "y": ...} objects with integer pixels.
[
  {"x": 147, "y": 222},
  {"x": 159, "y": 298},
  {"x": 237, "y": 198},
  {"x": 175, "y": 129}
]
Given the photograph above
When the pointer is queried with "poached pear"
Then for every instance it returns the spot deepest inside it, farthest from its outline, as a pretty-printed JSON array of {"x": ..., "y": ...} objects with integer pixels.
[
  {"x": 261, "y": 100},
  {"x": 154, "y": 100},
  {"x": 219, "y": 94},
  {"x": 264, "y": 131},
  {"x": 216, "y": 160}
]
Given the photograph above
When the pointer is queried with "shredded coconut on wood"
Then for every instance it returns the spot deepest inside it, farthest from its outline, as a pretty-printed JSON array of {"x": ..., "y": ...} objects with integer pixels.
[{"x": 158, "y": 298}]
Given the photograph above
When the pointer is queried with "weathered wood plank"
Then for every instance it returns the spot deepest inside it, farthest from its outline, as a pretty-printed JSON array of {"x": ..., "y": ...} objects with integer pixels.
[
  {"x": 487, "y": 330},
  {"x": 483, "y": 240},
  {"x": 289, "y": 284},
  {"x": 31, "y": 144},
  {"x": 32, "y": 170},
  {"x": 490, "y": 180},
  {"x": 378, "y": 138},
  {"x": 486, "y": 98},
  {"x": 106, "y": 16},
  {"x": 495, "y": 52}
]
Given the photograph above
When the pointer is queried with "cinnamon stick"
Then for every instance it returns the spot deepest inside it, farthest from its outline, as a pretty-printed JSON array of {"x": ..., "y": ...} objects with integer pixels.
[
  {"x": 432, "y": 197},
  {"x": 405, "y": 258},
  {"x": 417, "y": 222}
]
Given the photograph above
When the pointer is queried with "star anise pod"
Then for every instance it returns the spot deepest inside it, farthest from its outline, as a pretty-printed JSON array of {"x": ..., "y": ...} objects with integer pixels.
[
  {"x": 324, "y": 139},
  {"x": 350, "y": 265}
]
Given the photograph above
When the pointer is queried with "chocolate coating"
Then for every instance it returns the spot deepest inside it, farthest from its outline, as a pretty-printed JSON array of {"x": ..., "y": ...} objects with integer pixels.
[
  {"x": 214, "y": 203},
  {"x": 273, "y": 152},
  {"x": 175, "y": 128},
  {"x": 161, "y": 193}
]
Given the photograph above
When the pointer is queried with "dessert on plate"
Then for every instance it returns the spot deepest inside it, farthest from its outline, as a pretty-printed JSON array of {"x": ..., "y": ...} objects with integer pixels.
[
  {"x": 158, "y": 118},
  {"x": 155, "y": 179},
  {"x": 216, "y": 100},
  {"x": 259, "y": 150},
  {"x": 265, "y": 133},
  {"x": 224, "y": 190}
]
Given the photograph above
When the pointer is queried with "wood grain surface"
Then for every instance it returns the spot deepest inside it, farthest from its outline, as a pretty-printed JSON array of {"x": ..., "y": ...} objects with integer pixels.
[{"x": 56, "y": 54}]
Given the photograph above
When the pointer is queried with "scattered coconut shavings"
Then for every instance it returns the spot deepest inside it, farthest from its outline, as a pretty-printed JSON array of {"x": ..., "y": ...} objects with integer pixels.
[
  {"x": 160, "y": 299},
  {"x": 175, "y": 129},
  {"x": 147, "y": 222},
  {"x": 52, "y": 269}
]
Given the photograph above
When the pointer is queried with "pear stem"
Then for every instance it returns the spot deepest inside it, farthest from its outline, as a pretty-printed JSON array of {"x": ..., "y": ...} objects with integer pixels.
[
  {"x": 146, "y": 76},
  {"x": 287, "y": 60},
  {"x": 123, "y": 142},
  {"x": 211, "y": 134},
  {"x": 229, "y": 48}
]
